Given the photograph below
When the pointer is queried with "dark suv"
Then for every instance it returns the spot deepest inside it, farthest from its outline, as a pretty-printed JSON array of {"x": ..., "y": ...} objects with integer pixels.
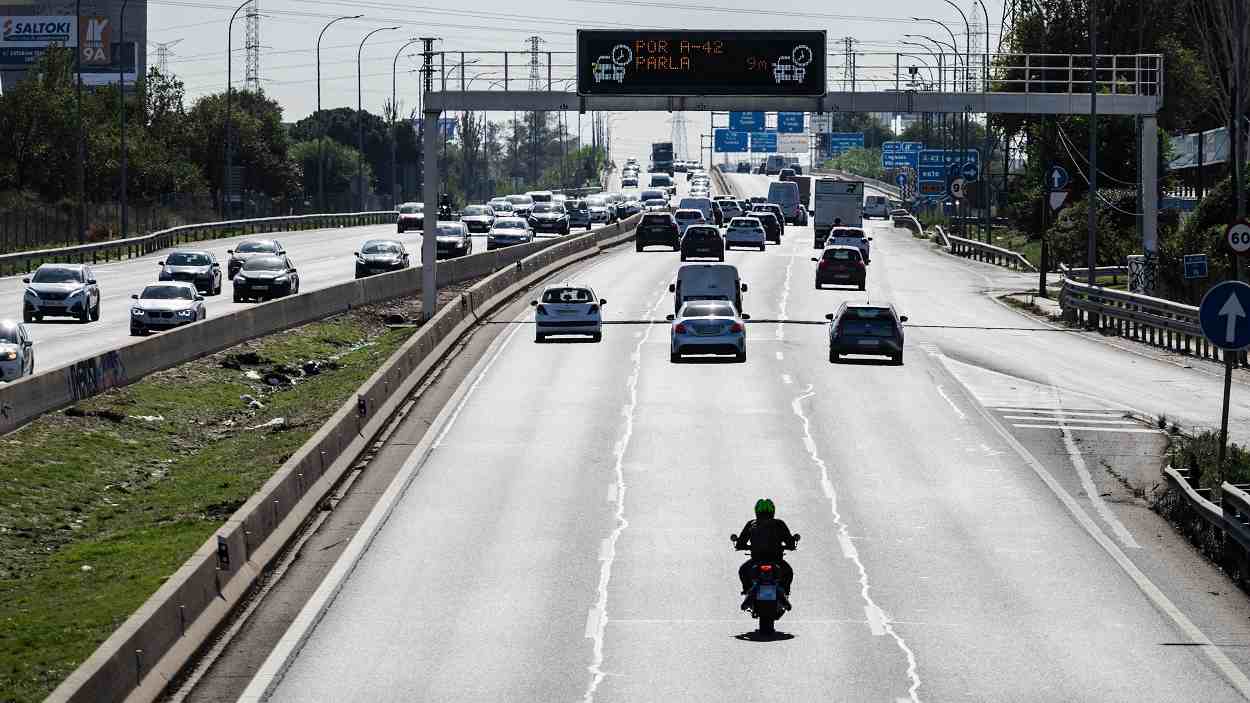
[
  {"x": 703, "y": 241},
  {"x": 579, "y": 214},
  {"x": 772, "y": 225},
  {"x": 841, "y": 265},
  {"x": 775, "y": 209},
  {"x": 658, "y": 228},
  {"x": 861, "y": 328}
]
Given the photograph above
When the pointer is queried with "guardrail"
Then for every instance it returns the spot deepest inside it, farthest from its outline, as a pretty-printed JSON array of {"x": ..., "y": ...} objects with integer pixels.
[
  {"x": 1218, "y": 524},
  {"x": 1083, "y": 273},
  {"x": 972, "y": 249},
  {"x": 152, "y": 646},
  {"x": 909, "y": 221},
  {"x": 25, "y": 261}
]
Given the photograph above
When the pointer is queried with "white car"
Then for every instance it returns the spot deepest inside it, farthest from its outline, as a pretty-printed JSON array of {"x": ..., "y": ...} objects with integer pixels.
[
  {"x": 850, "y": 237},
  {"x": 568, "y": 309},
  {"x": 17, "y": 354},
  {"x": 745, "y": 232},
  {"x": 708, "y": 327},
  {"x": 688, "y": 216},
  {"x": 163, "y": 306}
]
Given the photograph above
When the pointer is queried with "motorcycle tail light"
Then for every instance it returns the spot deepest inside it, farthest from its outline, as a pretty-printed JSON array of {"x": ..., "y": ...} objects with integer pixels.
[
  {"x": 680, "y": 328},
  {"x": 766, "y": 568}
]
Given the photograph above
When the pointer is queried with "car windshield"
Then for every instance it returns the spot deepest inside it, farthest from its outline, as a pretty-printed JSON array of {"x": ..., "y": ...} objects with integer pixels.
[
  {"x": 57, "y": 275},
  {"x": 167, "y": 293},
  {"x": 655, "y": 202},
  {"x": 708, "y": 310},
  {"x": 661, "y": 181},
  {"x": 505, "y": 206},
  {"x": 450, "y": 230},
  {"x": 256, "y": 247},
  {"x": 476, "y": 210},
  {"x": 411, "y": 208},
  {"x": 187, "y": 259},
  {"x": 385, "y": 247},
  {"x": 652, "y": 194},
  {"x": 265, "y": 263},
  {"x": 8, "y": 334},
  {"x": 596, "y": 201},
  {"x": 520, "y": 200},
  {"x": 568, "y": 295},
  {"x": 509, "y": 224},
  {"x": 549, "y": 207}
]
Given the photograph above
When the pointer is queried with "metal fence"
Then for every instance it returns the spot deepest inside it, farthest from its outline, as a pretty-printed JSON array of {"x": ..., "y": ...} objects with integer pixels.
[{"x": 1218, "y": 524}]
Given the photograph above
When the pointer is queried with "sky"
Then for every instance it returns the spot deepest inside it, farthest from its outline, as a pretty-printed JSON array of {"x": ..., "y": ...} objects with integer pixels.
[{"x": 288, "y": 34}]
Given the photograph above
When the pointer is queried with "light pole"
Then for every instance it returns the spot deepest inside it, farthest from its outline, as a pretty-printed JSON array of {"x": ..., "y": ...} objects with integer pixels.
[
  {"x": 121, "y": 109},
  {"x": 954, "y": 42},
  {"x": 985, "y": 171},
  {"x": 225, "y": 181},
  {"x": 82, "y": 172},
  {"x": 394, "y": 114},
  {"x": 360, "y": 123},
  {"x": 967, "y": 44},
  {"x": 321, "y": 151}
]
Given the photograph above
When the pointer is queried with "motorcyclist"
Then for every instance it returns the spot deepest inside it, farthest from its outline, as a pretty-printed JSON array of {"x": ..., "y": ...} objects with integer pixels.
[
  {"x": 767, "y": 538},
  {"x": 445, "y": 207}
]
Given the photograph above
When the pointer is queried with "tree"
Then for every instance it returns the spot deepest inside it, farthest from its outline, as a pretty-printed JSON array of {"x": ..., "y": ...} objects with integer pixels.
[
  {"x": 261, "y": 142},
  {"x": 340, "y": 165}
]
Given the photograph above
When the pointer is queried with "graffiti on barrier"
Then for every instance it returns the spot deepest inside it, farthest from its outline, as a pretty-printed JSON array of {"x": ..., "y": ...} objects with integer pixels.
[{"x": 94, "y": 376}]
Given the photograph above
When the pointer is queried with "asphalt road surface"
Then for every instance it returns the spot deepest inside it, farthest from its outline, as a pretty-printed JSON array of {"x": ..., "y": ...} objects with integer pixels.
[{"x": 566, "y": 535}]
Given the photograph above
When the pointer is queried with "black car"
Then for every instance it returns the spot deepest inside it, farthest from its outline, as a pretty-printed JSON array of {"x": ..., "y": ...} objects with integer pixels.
[
  {"x": 861, "y": 328},
  {"x": 380, "y": 256},
  {"x": 658, "y": 228},
  {"x": 841, "y": 265},
  {"x": 249, "y": 249},
  {"x": 703, "y": 241},
  {"x": 718, "y": 215},
  {"x": 772, "y": 226},
  {"x": 775, "y": 209},
  {"x": 549, "y": 217},
  {"x": 744, "y": 167},
  {"x": 199, "y": 268},
  {"x": 579, "y": 214},
  {"x": 264, "y": 277},
  {"x": 452, "y": 239}
]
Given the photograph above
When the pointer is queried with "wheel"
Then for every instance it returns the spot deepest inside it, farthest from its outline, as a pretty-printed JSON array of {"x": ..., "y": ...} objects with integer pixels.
[
  {"x": 674, "y": 357},
  {"x": 763, "y": 247},
  {"x": 741, "y": 357},
  {"x": 834, "y": 356},
  {"x": 898, "y": 359},
  {"x": 237, "y": 298},
  {"x": 85, "y": 315},
  {"x": 596, "y": 337},
  {"x": 863, "y": 286},
  {"x": 767, "y": 615},
  {"x": 637, "y": 245},
  {"x": 95, "y": 312},
  {"x": 539, "y": 338},
  {"x": 27, "y": 316}
]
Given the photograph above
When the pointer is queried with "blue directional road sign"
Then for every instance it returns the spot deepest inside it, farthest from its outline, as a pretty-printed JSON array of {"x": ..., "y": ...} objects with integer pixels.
[
  {"x": 764, "y": 142},
  {"x": 901, "y": 180},
  {"x": 730, "y": 141},
  {"x": 1057, "y": 177},
  {"x": 970, "y": 172},
  {"x": 1224, "y": 315},
  {"x": 842, "y": 142},
  {"x": 746, "y": 121},
  {"x": 900, "y": 159},
  {"x": 790, "y": 122},
  {"x": 1195, "y": 266}
]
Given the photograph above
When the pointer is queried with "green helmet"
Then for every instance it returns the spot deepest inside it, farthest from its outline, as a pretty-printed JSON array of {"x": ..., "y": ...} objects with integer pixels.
[{"x": 764, "y": 508}]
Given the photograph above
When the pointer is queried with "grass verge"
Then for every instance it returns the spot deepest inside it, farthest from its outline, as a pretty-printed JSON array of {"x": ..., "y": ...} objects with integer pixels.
[
  {"x": 102, "y": 502},
  {"x": 1199, "y": 453}
]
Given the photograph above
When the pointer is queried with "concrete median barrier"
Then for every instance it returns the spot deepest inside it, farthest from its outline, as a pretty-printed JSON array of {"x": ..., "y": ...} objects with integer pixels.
[{"x": 152, "y": 646}]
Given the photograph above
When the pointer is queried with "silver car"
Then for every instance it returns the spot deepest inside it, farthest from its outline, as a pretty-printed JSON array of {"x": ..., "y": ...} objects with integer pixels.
[
  {"x": 62, "y": 290},
  {"x": 17, "y": 353},
  {"x": 708, "y": 327},
  {"x": 508, "y": 231},
  {"x": 163, "y": 306},
  {"x": 197, "y": 267},
  {"x": 478, "y": 218}
]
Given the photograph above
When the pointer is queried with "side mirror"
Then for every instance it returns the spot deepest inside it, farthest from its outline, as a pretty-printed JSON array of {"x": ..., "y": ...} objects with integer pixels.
[
  {"x": 230, "y": 251},
  {"x": 733, "y": 538},
  {"x": 602, "y": 302},
  {"x": 91, "y": 281},
  {"x": 815, "y": 259},
  {"x": 534, "y": 303},
  {"x": 355, "y": 253},
  {"x": 134, "y": 296},
  {"x": 744, "y": 287},
  {"x": 670, "y": 317},
  {"x": 870, "y": 239},
  {"x": 797, "y": 536},
  {"x": 26, "y": 279},
  {"x": 199, "y": 297},
  {"x": 672, "y": 288},
  {"x": 216, "y": 265},
  {"x": 28, "y": 344},
  {"x": 161, "y": 262},
  {"x": 903, "y": 318},
  {"x": 282, "y": 252},
  {"x": 745, "y": 316},
  {"x": 829, "y": 316}
]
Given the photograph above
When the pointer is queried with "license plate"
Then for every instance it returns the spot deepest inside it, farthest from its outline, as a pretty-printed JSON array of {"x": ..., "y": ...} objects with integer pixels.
[
  {"x": 766, "y": 592},
  {"x": 260, "y": 287},
  {"x": 566, "y": 312},
  {"x": 867, "y": 342}
]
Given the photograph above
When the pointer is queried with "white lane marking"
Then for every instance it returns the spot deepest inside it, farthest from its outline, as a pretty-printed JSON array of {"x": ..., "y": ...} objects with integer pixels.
[
  {"x": 1062, "y": 419},
  {"x": 612, "y": 492},
  {"x": 1235, "y": 677},
  {"x": 942, "y": 392},
  {"x": 1083, "y": 428},
  {"x": 780, "y": 356},
  {"x": 1066, "y": 413},
  {"x": 876, "y": 620},
  {"x": 592, "y": 622},
  {"x": 785, "y": 298},
  {"x": 1091, "y": 491},
  {"x": 844, "y": 531},
  {"x": 608, "y": 548},
  {"x": 605, "y": 549},
  {"x": 848, "y": 547},
  {"x": 785, "y": 378}
]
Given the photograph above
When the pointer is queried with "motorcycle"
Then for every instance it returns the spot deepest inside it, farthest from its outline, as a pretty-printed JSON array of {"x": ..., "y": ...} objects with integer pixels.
[{"x": 766, "y": 600}]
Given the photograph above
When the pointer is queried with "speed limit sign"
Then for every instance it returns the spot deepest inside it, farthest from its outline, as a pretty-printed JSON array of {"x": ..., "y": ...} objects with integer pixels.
[
  {"x": 1239, "y": 237},
  {"x": 957, "y": 187}
]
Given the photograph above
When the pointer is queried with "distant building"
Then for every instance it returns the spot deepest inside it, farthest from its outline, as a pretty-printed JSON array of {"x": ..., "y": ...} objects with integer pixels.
[{"x": 28, "y": 28}]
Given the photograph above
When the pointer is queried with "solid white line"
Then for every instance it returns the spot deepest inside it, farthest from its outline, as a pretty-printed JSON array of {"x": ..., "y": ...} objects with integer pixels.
[
  {"x": 1127, "y": 430},
  {"x": 848, "y": 547},
  {"x": 1061, "y": 419},
  {"x": 605, "y": 549},
  {"x": 592, "y": 622},
  {"x": 1095, "y": 497},
  {"x": 876, "y": 620},
  {"x": 780, "y": 356},
  {"x": 947, "y": 398},
  {"x": 785, "y": 378},
  {"x": 1069, "y": 413},
  {"x": 844, "y": 531},
  {"x": 785, "y": 298},
  {"x": 612, "y": 490}
]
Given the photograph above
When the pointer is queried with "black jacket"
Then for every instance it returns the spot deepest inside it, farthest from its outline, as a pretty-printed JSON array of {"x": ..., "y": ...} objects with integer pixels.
[{"x": 766, "y": 538}]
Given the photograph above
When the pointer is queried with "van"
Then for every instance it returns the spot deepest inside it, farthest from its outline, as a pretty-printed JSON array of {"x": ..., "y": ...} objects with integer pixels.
[
  {"x": 786, "y": 195},
  {"x": 704, "y": 205},
  {"x": 876, "y": 206},
  {"x": 665, "y": 181},
  {"x": 707, "y": 282},
  {"x": 541, "y": 196}
]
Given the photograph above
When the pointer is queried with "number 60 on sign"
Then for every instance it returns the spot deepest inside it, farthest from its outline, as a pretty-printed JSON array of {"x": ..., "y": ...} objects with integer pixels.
[{"x": 1239, "y": 237}]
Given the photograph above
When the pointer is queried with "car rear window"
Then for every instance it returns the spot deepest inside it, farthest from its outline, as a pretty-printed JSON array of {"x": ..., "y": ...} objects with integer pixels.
[
  {"x": 841, "y": 255},
  {"x": 689, "y": 215},
  {"x": 411, "y": 208},
  {"x": 879, "y": 327},
  {"x": 656, "y": 219},
  {"x": 568, "y": 295},
  {"x": 8, "y": 334},
  {"x": 707, "y": 310}
]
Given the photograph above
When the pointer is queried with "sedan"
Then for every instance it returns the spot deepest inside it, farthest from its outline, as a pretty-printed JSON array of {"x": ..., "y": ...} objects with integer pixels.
[
  {"x": 702, "y": 241},
  {"x": 655, "y": 205},
  {"x": 478, "y": 218},
  {"x": 17, "y": 353},
  {"x": 265, "y": 277},
  {"x": 249, "y": 249},
  {"x": 62, "y": 290},
  {"x": 549, "y": 217},
  {"x": 861, "y": 328},
  {"x": 600, "y": 210},
  {"x": 500, "y": 206},
  {"x": 452, "y": 239},
  {"x": 708, "y": 327},
  {"x": 196, "y": 267},
  {"x": 841, "y": 265},
  {"x": 568, "y": 310},
  {"x": 579, "y": 216},
  {"x": 163, "y": 306},
  {"x": 629, "y": 182},
  {"x": 729, "y": 209},
  {"x": 509, "y": 231},
  {"x": 410, "y": 216},
  {"x": 380, "y": 256},
  {"x": 745, "y": 232}
]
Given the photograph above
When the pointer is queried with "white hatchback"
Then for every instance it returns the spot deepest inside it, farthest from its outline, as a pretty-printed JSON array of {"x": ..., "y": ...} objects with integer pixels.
[
  {"x": 568, "y": 309},
  {"x": 745, "y": 232}
]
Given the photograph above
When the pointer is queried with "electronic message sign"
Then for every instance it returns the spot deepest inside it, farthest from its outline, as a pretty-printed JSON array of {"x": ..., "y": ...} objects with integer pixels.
[{"x": 700, "y": 62}]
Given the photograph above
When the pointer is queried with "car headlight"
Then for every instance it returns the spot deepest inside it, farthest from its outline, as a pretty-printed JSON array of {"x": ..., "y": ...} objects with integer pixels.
[
  {"x": 281, "y": 279},
  {"x": 31, "y": 292},
  {"x": 77, "y": 293},
  {"x": 185, "y": 313},
  {"x": 239, "y": 280},
  {"x": 8, "y": 355},
  {"x": 137, "y": 312}
]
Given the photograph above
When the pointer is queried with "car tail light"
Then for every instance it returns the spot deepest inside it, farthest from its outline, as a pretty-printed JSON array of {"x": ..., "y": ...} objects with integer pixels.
[
  {"x": 680, "y": 328},
  {"x": 593, "y": 308},
  {"x": 542, "y": 310},
  {"x": 766, "y": 568},
  {"x": 824, "y": 263},
  {"x": 736, "y": 327},
  {"x": 860, "y": 263}
]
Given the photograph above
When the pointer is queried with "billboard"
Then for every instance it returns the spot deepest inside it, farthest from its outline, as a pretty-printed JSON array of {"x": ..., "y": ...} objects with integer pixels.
[
  {"x": 842, "y": 142},
  {"x": 38, "y": 30},
  {"x": 28, "y": 29}
]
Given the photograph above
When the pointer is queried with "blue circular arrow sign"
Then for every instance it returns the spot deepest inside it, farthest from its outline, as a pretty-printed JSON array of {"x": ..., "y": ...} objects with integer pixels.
[
  {"x": 1225, "y": 315},
  {"x": 1056, "y": 177},
  {"x": 970, "y": 171}
]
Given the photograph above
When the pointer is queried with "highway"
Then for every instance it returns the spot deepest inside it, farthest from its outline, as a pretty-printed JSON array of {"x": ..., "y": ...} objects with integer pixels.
[{"x": 565, "y": 536}]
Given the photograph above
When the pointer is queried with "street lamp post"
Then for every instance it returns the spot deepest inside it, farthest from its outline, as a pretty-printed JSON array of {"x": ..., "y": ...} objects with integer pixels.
[
  {"x": 321, "y": 151},
  {"x": 360, "y": 123},
  {"x": 967, "y": 44},
  {"x": 985, "y": 171},
  {"x": 121, "y": 111},
  {"x": 82, "y": 172},
  {"x": 225, "y": 181},
  {"x": 395, "y": 113}
]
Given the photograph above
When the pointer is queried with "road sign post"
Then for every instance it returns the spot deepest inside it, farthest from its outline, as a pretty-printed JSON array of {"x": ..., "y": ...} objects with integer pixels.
[{"x": 1223, "y": 315}]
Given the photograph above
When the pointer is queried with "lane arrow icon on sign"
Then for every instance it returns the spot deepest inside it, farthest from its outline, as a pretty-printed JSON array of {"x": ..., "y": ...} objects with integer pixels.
[{"x": 1232, "y": 312}]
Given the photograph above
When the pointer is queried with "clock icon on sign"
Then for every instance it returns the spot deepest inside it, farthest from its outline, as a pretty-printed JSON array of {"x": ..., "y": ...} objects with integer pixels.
[
  {"x": 802, "y": 55},
  {"x": 621, "y": 55}
]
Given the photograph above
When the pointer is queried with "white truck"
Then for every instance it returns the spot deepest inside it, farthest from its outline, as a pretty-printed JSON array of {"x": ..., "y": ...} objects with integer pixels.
[
  {"x": 838, "y": 204},
  {"x": 707, "y": 282}
]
